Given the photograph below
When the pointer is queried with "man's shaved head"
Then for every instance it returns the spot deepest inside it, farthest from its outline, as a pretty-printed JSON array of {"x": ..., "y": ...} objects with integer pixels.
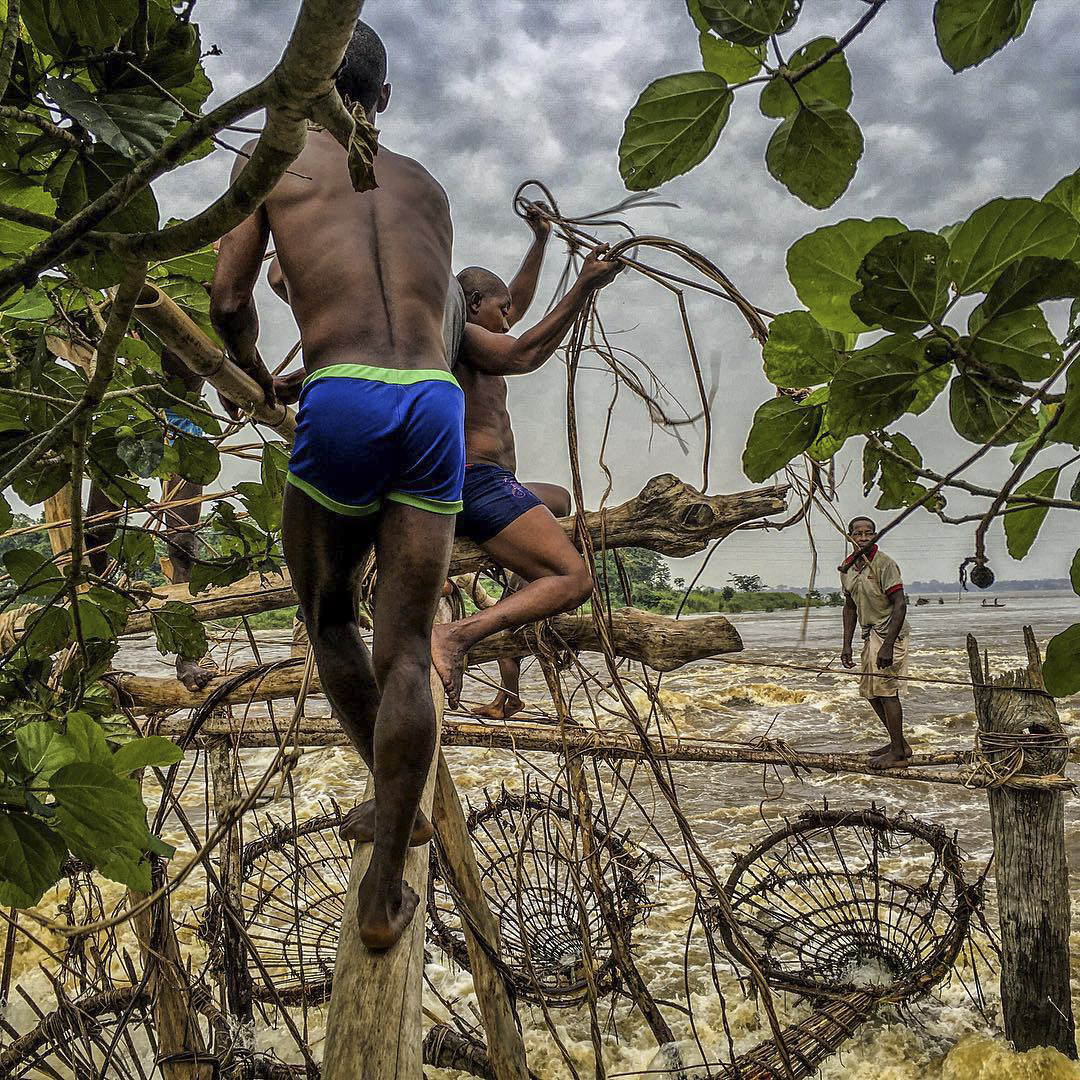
[
  {"x": 476, "y": 280},
  {"x": 362, "y": 74}
]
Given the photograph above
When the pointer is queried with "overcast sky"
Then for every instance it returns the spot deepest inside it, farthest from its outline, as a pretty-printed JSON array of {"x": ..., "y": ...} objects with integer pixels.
[{"x": 487, "y": 93}]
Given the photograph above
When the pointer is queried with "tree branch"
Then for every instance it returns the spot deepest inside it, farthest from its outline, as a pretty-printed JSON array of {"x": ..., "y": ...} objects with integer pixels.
[
  {"x": 10, "y": 112},
  {"x": 7, "y": 48}
]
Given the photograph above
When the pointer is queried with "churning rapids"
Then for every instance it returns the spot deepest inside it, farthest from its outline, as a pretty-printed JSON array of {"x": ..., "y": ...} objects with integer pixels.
[{"x": 729, "y": 809}]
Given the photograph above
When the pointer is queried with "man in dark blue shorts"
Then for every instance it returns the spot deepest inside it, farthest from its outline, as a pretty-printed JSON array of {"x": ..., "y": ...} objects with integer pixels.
[
  {"x": 378, "y": 457},
  {"x": 510, "y": 521}
]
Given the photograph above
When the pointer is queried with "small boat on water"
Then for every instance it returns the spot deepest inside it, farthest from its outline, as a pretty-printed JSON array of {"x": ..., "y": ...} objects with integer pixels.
[{"x": 996, "y": 603}]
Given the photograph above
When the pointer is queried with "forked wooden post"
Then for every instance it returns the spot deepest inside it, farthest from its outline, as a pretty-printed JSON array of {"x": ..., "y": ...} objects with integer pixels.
[{"x": 1030, "y": 865}]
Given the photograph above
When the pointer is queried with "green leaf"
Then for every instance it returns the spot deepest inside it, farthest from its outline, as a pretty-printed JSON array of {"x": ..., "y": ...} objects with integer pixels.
[
  {"x": 1002, "y": 231},
  {"x": 1074, "y": 572},
  {"x": 199, "y": 460},
  {"x": 978, "y": 410},
  {"x": 830, "y": 82},
  {"x": 822, "y": 266},
  {"x": 968, "y": 31},
  {"x": 1022, "y": 526},
  {"x": 693, "y": 7},
  {"x": 826, "y": 445},
  {"x": 814, "y": 152},
  {"x": 1066, "y": 195},
  {"x": 93, "y": 623},
  {"x": 750, "y": 22},
  {"x": 31, "y": 306},
  {"x": 41, "y": 484},
  {"x": 142, "y": 456},
  {"x": 929, "y": 385},
  {"x": 781, "y": 430},
  {"x": 133, "y": 549},
  {"x": 1068, "y": 427},
  {"x": 205, "y": 575},
  {"x": 178, "y": 631},
  {"x": 59, "y": 26},
  {"x": 47, "y": 632},
  {"x": 896, "y": 483},
  {"x": 32, "y": 572},
  {"x": 26, "y": 194},
  {"x": 151, "y": 751},
  {"x": 903, "y": 279},
  {"x": 7, "y": 519},
  {"x": 1031, "y": 281},
  {"x": 87, "y": 737},
  {"x": 871, "y": 390},
  {"x": 1021, "y": 340},
  {"x": 672, "y": 127},
  {"x": 134, "y": 125},
  {"x": 1061, "y": 668},
  {"x": 30, "y": 857},
  {"x": 102, "y": 818},
  {"x": 43, "y": 749},
  {"x": 800, "y": 352},
  {"x": 733, "y": 63}
]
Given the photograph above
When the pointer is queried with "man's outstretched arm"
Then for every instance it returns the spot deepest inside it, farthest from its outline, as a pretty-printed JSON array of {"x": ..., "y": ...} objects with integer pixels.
[
  {"x": 500, "y": 354},
  {"x": 232, "y": 301},
  {"x": 523, "y": 287}
]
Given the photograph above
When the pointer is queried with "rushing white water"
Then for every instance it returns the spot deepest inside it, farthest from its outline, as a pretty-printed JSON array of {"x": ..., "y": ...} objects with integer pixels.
[{"x": 729, "y": 809}]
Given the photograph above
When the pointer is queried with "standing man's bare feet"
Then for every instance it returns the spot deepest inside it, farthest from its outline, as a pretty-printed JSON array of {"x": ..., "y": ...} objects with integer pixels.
[
  {"x": 881, "y": 751},
  {"x": 358, "y": 826},
  {"x": 448, "y": 656},
  {"x": 383, "y": 919},
  {"x": 502, "y": 708},
  {"x": 891, "y": 760}
]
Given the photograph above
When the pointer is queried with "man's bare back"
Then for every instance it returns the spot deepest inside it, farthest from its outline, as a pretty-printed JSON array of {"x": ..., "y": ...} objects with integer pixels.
[{"x": 400, "y": 233}]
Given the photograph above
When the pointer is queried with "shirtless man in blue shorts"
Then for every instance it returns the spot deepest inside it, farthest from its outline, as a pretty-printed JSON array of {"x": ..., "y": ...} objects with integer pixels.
[{"x": 378, "y": 456}]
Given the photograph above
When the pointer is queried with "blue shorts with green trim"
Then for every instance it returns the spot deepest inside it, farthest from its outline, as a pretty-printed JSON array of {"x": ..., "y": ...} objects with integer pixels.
[{"x": 367, "y": 435}]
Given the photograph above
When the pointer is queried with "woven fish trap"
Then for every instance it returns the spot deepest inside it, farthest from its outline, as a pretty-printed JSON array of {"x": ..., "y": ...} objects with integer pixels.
[
  {"x": 844, "y": 901},
  {"x": 294, "y": 882},
  {"x": 108, "y": 1035},
  {"x": 538, "y": 887}
]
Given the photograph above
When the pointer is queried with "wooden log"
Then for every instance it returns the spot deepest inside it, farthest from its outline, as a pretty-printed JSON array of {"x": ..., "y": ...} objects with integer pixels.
[
  {"x": 182, "y": 336},
  {"x": 668, "y": 516},
  {"x": 253, "y": 732},
  {"x": 661, "y": 642},
  {"x": 506, "y": 1050},
  {"x": 373, "y": 1028},
  {"x": 1030, "y": 864}
]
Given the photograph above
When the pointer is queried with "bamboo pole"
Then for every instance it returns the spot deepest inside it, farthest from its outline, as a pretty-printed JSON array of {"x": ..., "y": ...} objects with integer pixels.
[
  {"x": 181, "y": 336},
  {"x": 1030, "y": 863},
  {"x": 506, "y": 1050},
  {"x": 667, "y": 516},
  {"x": 961, "y": 769}
]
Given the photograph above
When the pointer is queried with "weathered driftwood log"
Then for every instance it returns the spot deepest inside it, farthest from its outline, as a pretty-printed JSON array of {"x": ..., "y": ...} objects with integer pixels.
[
  {"x": 181, "y": 336},
  {"x": 253, "y": 732},
  {"x": 1030, "y": 864},
  {"x": 662, "y": 643},
  {"x": 668, "y": 516}
]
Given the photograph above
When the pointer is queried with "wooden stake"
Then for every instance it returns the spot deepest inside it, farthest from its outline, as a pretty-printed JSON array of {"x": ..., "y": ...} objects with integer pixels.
[
  {"x": 506, "y": 1051},
  {"x": 1030, "y": 865}
]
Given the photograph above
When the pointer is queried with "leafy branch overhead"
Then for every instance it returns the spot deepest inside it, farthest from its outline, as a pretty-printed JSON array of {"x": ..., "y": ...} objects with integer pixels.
[
  {"x": 878, "y": 341},
  {"x": 815, "y": 150},
  {"x": 100, "y": 98}
]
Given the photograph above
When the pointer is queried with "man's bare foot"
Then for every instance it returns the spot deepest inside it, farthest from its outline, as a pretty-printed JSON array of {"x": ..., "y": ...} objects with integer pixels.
[
  {"x": 887, "y": 748},
  {"x": 383, "y": 921},
  {"x": 449, "y": 659},
  {"x": 358, "y": 826},
  {"x": 502, "y": 708},
  {"x": 890, "y": 760},
  {"x": 195, "y": 674}
]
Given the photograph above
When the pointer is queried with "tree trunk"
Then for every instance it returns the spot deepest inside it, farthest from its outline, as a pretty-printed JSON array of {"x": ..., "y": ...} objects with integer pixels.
[
  {"x": 667, "y": 516},
  {"x": 1030, "y": 865}
]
